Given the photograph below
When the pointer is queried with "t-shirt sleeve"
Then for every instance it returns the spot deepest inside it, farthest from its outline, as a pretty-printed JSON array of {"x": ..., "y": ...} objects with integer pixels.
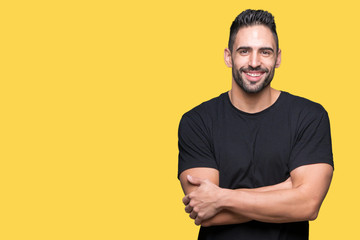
[
  {"x": 195, "y": 148},
  {"x": 313, "y": 141}
]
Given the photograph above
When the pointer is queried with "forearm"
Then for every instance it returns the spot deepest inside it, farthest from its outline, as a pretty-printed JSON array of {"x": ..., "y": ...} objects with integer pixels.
[
  {"x": 289, "y": 205},
  {"x": 226, "y": 217},
  {"x": 300, "y": 203},
  {"x": 276, "y": 204}
]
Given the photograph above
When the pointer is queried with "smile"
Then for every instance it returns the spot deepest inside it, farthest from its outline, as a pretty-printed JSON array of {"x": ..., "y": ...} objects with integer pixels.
[{"x": 253, "y": 74}]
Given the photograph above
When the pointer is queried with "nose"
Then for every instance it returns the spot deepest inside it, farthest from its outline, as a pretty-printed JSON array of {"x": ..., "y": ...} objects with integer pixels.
[{"x": 254, "y": 60}]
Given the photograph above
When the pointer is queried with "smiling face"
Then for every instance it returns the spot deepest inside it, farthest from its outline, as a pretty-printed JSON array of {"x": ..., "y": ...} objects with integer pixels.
[{"x": 253, "y": 58}]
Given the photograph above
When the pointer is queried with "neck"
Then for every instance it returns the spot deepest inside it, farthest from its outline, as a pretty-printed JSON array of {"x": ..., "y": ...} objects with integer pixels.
[{"x": 253, "y": 102}]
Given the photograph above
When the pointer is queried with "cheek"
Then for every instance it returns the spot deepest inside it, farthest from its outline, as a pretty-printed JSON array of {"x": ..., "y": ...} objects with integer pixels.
[
  {"x": 240, "y": 62},
  {"x": 270, "y": 65}
]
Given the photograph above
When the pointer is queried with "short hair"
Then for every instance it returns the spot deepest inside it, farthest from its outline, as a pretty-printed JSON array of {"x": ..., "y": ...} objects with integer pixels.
[{"x": 249, "y": 18}]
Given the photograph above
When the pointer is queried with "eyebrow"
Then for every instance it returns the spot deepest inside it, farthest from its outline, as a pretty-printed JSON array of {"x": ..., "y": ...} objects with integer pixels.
[
  {"x": 248, "y": 48},
  {"x": 267, "y": 48}
]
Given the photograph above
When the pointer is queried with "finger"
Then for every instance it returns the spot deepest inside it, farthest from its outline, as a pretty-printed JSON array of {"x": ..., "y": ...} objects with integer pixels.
[
  {"x": 193, "y": 215},
  {"x": 194, "y": 180},
  {"x": 188, "y": 209},
  {"x": 205, "y": 223},
  {"x": 198, "y": 221},
  {"x": 186, "y": 200}
]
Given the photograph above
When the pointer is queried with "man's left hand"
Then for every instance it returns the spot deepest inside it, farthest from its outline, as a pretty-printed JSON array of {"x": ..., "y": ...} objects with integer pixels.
[{"x": 203, "y": 203}]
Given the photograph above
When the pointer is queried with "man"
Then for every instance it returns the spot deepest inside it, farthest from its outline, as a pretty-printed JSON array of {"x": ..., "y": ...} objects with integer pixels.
[{"x": 255, "y": 162}]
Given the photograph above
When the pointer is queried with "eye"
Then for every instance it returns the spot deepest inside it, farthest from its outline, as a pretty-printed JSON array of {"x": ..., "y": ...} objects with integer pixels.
[
  {"x": 266, "y": 53},
  {"x": 244, "y": 51}
]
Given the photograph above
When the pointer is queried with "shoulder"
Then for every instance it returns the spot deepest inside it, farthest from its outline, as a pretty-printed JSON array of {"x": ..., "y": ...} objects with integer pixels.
[
  {"x": 205, "y": 110},
  {"x": 201, "y": 118},
  {"x": 301, "y": 106},
  {"x": 305, "y": 115}
]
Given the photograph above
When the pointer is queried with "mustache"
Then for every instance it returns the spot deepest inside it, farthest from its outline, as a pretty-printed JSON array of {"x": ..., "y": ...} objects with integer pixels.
[{"x": 247, "y": 69}]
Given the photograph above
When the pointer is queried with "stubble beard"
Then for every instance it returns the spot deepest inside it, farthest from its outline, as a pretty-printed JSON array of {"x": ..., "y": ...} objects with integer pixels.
[{"x": 248, "y": 88}]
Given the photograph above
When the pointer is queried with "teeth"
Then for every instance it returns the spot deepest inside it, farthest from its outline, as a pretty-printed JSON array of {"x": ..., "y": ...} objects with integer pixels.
[{"x": 253, "y": 74}]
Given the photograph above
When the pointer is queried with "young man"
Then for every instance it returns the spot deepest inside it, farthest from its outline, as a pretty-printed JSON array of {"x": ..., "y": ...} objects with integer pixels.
[{"x": 255, "y": 162}]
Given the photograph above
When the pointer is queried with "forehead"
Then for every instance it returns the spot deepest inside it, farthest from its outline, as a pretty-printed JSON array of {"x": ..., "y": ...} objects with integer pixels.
[{"x": 254, "y": 36}]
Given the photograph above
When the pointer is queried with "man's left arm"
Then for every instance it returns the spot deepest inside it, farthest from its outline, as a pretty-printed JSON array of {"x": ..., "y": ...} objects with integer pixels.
[{"x": 302, "y": 202}]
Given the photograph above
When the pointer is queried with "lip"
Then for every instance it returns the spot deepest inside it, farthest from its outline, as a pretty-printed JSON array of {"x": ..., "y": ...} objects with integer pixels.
[{"x": 253, "y": 76}]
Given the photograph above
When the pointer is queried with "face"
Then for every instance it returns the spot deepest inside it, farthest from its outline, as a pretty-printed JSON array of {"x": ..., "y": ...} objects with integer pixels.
[{"x": 254, "y": 58}]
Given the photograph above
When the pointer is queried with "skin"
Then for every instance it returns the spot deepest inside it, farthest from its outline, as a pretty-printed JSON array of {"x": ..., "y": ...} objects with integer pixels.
[
  {"x": 211, "y": 176},
  {"x": 254, "y": 47},
  {"x": 297, "y": 199}
]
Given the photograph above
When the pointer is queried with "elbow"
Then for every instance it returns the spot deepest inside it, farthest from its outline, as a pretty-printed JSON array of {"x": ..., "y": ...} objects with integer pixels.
[
  {"x": 313, "y": 212},
  {"x": 311, "y": 207},
  {"x": 308, "y": 210},
  {"x": 313, "y": 215},
  {"x": 307, "y": 215}
]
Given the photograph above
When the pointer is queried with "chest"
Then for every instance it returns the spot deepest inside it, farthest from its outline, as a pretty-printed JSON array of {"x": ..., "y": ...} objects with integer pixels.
[{"x": 252, "y": 152}]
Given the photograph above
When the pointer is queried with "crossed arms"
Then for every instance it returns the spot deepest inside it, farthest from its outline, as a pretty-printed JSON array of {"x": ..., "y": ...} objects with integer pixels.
[{"x": 297, "y": 199}]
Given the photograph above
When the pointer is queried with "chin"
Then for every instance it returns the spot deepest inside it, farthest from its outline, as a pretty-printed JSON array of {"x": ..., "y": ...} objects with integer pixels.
[{"x": 253, "y": 89}]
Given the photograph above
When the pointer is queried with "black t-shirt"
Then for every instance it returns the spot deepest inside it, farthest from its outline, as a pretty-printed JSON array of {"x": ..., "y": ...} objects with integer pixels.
[{"x": 254, "y": 150}]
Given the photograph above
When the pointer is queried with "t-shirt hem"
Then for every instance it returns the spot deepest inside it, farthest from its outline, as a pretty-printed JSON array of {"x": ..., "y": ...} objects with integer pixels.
[
  {"x": 293, "y": 167},
  {"x": 195, "y": 166}
]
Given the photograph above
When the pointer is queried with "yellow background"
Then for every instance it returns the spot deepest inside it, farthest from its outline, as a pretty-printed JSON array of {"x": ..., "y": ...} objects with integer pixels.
[{"x": 91, "y": 94}]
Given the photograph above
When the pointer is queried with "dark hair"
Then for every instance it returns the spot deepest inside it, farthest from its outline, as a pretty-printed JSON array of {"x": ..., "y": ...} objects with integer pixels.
[{"x": 249, "y": 18}]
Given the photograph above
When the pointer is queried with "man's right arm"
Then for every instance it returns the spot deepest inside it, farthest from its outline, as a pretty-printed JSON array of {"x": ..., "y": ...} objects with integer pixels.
[
  {"x": 224, "y": 217},
  {"x": 211, "y": 174}
]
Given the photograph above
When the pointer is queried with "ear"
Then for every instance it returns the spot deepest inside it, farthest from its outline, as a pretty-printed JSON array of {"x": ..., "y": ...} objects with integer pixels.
[
  {"x": 227, "y": 57},
  {"x": 278, "y": 59}
]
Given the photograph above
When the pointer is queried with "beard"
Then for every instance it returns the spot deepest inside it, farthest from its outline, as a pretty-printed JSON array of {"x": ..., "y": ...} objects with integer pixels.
[{"x": 252, "y": 88}]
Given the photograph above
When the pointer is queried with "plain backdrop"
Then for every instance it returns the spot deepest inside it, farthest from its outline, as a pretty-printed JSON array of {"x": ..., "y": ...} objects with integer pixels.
[{"x": 91, "y": 94}]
